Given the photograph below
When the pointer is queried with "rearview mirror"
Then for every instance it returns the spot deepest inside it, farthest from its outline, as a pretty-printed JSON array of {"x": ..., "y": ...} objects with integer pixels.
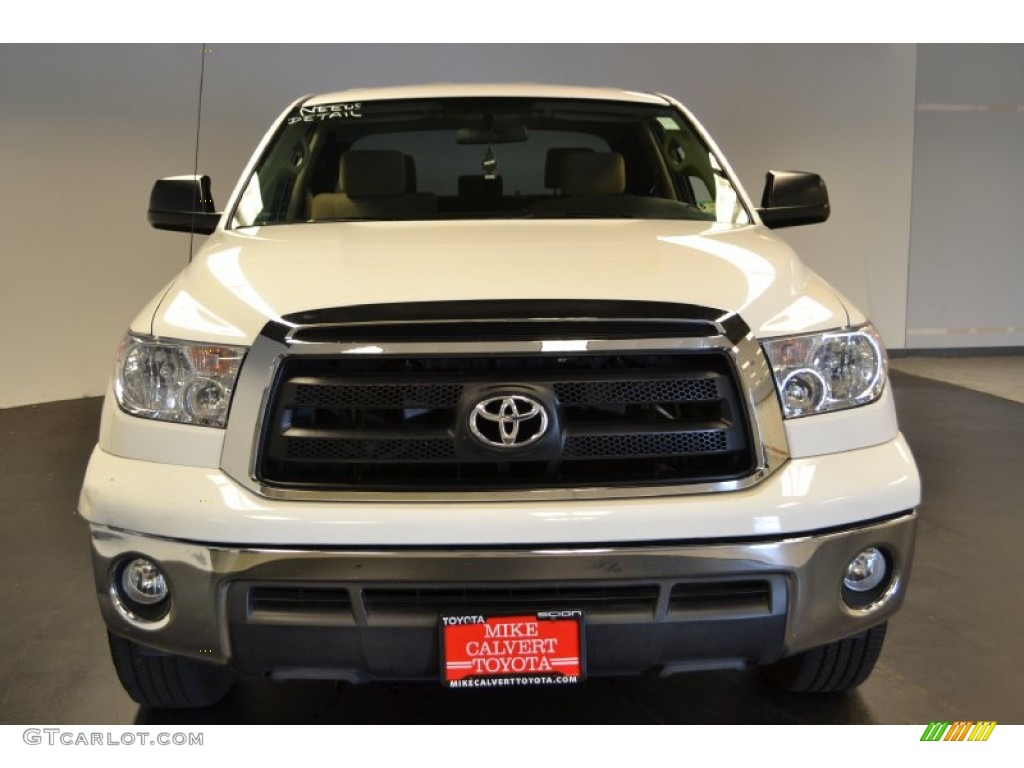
[
  {"x": 501, "y": 133},
  {"x": 793, "y": 198},
  {"x": 183, "y": 204}
]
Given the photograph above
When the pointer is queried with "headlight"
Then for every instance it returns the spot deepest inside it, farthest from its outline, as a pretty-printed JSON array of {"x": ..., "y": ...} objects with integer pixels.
[
  {"x": 824, "y": 372},
  {"x": 176, "y": 380}
]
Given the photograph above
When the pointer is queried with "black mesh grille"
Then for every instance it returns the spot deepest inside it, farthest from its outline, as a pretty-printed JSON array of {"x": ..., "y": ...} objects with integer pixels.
[
  {"x": 611, "y": 599},
  {"x": 383, "y": 602},
  {"x": 747, "y": 596},
  {"x": 299, "y": 599},
  {"x": 337, "y": 395},
  {"x": 380, "y": 422},
  {"x": 670, "y": 391},
  {"x": 316, "y": 449},
  {"x": 594, "y": 446}
]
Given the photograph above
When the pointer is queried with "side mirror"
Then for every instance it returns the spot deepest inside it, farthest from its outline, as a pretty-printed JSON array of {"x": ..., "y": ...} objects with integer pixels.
[
  {"x": 183, "y": 204},
  {"x": 793, "y": 198}
]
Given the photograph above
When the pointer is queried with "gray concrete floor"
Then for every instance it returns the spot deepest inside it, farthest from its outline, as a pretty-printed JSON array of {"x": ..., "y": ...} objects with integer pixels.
[
  {"x": 1000, "y": 375},
  {"x": 956, "y": 651}
]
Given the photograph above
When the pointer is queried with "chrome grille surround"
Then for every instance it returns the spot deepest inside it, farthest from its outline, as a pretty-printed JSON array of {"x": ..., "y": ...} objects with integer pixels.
[{"x": 726, "y": 334}]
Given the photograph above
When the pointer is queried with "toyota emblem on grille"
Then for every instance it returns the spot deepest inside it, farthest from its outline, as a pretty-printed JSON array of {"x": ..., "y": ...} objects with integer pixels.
[{"x": 508, "y": 421}]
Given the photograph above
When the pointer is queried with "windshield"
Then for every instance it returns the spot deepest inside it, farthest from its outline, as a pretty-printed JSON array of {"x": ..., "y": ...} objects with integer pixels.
[{"x": 469, "y": 158}]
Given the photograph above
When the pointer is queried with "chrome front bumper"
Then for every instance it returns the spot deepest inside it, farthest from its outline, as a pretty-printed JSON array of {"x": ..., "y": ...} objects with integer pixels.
[{"x": 212, "y": 617}]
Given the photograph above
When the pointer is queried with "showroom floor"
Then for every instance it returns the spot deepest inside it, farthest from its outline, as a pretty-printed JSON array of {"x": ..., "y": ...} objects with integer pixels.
[{"x": 953, "y": 653}]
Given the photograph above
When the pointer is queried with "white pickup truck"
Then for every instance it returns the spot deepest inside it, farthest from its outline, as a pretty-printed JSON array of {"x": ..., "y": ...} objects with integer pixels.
[{"x": 495, "y": 385}]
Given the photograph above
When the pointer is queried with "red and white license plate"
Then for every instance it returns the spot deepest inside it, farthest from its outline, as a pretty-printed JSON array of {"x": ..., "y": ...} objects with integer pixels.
[{"x": 545, "y": 648}]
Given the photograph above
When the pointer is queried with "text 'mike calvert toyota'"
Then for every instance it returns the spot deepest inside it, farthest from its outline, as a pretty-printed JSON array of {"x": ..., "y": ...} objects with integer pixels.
[{"x": 495, "y": 385}]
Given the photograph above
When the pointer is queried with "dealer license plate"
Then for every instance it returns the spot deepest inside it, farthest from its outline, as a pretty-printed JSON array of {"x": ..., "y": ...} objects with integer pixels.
[{"x": 543, "y": 648}]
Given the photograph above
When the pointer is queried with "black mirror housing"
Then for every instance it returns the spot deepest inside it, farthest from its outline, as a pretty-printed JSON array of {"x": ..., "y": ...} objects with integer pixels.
[
  {"x": 793, "y": 198},
  {"x": 183, "y": 204}
]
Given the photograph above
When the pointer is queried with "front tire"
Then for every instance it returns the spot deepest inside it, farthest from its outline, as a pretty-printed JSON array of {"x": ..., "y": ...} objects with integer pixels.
[
  {"x": 832, "y": 668},
  {"x": 155, "y": 679}
]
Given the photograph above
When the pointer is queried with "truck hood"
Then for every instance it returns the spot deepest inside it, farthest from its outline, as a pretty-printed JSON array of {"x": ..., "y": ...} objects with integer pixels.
[{"x": 242, "y": 279}]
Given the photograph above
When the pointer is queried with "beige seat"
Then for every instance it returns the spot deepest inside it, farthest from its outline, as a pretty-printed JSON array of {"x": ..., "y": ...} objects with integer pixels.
[{"x": 373, "y": 185}]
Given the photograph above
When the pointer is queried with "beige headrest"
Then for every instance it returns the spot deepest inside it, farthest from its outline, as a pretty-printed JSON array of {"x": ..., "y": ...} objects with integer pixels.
[
  {"x": 373, "y": 173},
  {"x": 553, "y": 164},
  {"x": 593, "y": 174}
]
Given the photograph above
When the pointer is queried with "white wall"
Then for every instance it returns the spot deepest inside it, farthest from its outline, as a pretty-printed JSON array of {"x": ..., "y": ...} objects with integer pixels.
[
  {"x": 966, "y": 251},
  {"x": 85, "y": 130}
]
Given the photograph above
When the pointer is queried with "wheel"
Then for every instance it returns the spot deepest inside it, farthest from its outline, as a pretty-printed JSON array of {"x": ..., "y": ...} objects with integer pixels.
[
  {"x": 832, "y": 668},
  {"x": 156, "y": 679}
]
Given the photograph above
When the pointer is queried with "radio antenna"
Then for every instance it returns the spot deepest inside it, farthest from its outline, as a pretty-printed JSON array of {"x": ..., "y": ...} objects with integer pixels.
[{"x": 195, "y": 164}]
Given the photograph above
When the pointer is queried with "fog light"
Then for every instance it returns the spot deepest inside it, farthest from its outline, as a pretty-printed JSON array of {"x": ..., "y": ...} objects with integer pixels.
[
  {"x": 865, "y": 571},
  {"x": 143, "y": 583}
]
